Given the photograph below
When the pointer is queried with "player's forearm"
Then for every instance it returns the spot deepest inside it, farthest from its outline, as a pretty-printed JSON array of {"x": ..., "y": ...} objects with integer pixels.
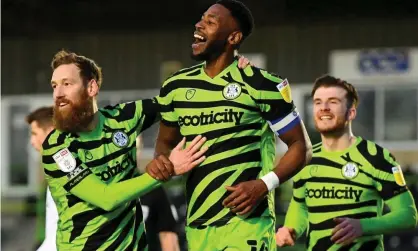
[
  {"x": 402, "y": 216},
  {"x": 168, "y": 138},
  {"x": 296, "y": 157},
  {"x": 169, "y": 241},
  {"x": 297, "y": 217},
  {"x": 108, "y": 197}
]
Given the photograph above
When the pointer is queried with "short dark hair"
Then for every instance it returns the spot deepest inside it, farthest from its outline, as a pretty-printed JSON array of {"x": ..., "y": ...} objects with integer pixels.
[
  {"x": 330, "y": 81},
  {"x": 42, "y": 115},
  {"x": 241, "y": 14},
  {"x": 88, "y": 68}
]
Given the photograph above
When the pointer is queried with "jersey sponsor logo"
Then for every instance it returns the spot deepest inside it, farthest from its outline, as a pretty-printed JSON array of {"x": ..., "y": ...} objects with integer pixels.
[
  {"x": 399, "y": 178},
  {"x": 190, "y": 93},
  {"x": 232, "y": 91},
  {"x": 118, "y": 168},
  {"x": 120, "y": 139},
  {"x": 75, "y": 172},
  {"x": 227, "y": 116},
  {"x": 350, "y": 170},
  {"x": 77, "y": 179},
  {"x": 325, "y": 193},
  {"x": 65, "y": 160},
  {"x": 284, "y": 89}
]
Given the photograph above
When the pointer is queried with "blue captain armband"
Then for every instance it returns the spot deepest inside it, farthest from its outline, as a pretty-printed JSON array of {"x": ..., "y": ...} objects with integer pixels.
[{"x": 284, "y": 124}]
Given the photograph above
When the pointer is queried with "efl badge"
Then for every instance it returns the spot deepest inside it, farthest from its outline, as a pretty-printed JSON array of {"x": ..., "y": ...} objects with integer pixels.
[
  {"x": 232, "y": 91},
  {"x": 350, "y": 170},
  {"x": 120, "y": 139},
  {"x": 397, "y": 172},
  {"x": 284, "y": 89},
  {"x": 65, "y": 160}
]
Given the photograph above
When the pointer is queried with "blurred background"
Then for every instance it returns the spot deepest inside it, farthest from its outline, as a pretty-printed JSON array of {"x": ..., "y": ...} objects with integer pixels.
[{"x": 372, "y": 43}]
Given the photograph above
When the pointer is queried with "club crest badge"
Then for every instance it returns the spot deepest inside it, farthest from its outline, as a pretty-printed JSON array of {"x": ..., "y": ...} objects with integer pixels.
[
  {"x": 232, "y": 91},
  {"x": 120, "y": 139},
  {"x": 190, "y": 93},
  {"x": 65, "y": 160},
  {"x": 350, "y": 170}
]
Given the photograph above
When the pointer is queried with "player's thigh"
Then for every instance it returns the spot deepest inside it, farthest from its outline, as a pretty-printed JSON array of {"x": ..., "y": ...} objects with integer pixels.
[
  {"x": 201, "y": 239},
  {"x": 251, "y": 235}
]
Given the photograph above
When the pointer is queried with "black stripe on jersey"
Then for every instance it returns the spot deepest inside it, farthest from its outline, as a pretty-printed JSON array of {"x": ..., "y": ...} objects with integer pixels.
[
  {"x": 341, "y": 207},
  {"x": 77, "y": 179},
  {"x": 122, "y": 236},
  {"x": 302, "y": 182},
  {"x": 257, "y": 80},
  {"x": 109, "y": 157},
  {"x": 203, "y": 104},
  {"x": 378, "y": 161},
  {"x": 232, "y": 143},
  {"x": 212, "y": 186},
  {"x": 55, "y": 173},
  {"x": 138, "y": 221},
  {"x": 278, "y": 109},
  {"x": 329, "y": 163},
  {"x": 369, "y": 245},
  {"x": 98, "y": 238},
  {"x": 189, "y": 84},
  {"x": 72, "y": 200},
  {"x": 323, "y": 244},
  {"x": 150, "y": 111},
  {"x": 225, "y": 131},
  {"x": 170, "y": 123},
  {"x": 330, "y": 223},
  {"x": 199, "y": 173},
  {"x": 60, "y": 139},
  {"x": 125, "y": 113},
  {"x": 81, "y": 220},
  {"x": 299, "y": 200},
  {"x": 261, "y": 208},
  {"x": 142, "y": 244},
  {"x": 247, "y": 174}
]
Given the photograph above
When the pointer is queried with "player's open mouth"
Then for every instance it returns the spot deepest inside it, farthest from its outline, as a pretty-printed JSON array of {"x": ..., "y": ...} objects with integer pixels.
[
  {"x": 326, "y": 117},
  {"x": 198, "y": 40},
  {"x": 62, "y": 104}
]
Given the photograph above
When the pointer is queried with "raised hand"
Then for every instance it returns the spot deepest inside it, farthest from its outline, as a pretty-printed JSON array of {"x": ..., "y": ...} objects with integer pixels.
[
  {"x": 186, "y": 159},
  {"x": 243, "y": 62}
]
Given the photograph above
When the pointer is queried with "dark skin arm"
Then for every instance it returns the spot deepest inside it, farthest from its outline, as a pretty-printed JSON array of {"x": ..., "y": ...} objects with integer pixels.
[
  {"x": 168, "y": 137},
  {"x": 246, "y": 195}
]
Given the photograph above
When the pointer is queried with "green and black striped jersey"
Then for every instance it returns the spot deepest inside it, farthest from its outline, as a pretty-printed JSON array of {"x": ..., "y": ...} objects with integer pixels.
[
  {"x": 353, "y": 183},
  {"x": 90, "y": 174},
  {"x": 239, "y": 112}
]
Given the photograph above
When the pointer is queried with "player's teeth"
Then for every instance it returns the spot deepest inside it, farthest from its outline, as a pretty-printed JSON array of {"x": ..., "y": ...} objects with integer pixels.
[
  {"x": 198, "y": 37},
  {"x": 325, "y": 117}
]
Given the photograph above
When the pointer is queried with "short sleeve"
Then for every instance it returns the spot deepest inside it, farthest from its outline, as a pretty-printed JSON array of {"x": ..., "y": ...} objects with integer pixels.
[
  {"x": 274, "y": 99},
  {"x": 388, "y": 175},
  {"x": 165, "y": 101},
  {"x": 138, "y": 115}
]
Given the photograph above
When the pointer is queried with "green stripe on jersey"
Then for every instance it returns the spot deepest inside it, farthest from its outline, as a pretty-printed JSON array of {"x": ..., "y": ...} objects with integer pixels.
[
  {"x": 353, "y": 183},
  {"x": 108, "y": 152},
  {"x": 231, "y": 110}
]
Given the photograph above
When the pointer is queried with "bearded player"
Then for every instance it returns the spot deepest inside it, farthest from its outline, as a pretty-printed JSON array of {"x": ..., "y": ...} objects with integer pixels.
[{"x": 89, "y": 161}]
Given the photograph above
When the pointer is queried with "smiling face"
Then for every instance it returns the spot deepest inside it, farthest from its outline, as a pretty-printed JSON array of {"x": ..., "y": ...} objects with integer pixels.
[
  {"x": 330, "y": 109},
  {"x": 73, "y": 109},
  {"x": 215, "y": 33}
]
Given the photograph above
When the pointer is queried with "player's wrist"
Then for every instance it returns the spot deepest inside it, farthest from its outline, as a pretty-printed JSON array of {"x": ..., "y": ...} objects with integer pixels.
[{"x": 271, "y": 180}]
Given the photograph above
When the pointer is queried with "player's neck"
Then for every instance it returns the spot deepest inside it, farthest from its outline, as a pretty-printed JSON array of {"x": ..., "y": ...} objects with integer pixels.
[
  {"x": 338, "y": 143},
  {"x": 216, "y": 65},
  {"x": 95, "y": 121}
]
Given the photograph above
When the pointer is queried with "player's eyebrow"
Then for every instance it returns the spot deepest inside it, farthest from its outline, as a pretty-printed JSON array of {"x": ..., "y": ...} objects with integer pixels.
[{"x": 61, "y": 80}]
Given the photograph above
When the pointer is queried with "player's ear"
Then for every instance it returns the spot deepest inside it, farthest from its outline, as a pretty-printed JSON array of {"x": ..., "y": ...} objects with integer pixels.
[
  {"x": 235, "y": 38},
  {"x": 351, "y": 113},
  {"x": 92, "y": 88}
]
